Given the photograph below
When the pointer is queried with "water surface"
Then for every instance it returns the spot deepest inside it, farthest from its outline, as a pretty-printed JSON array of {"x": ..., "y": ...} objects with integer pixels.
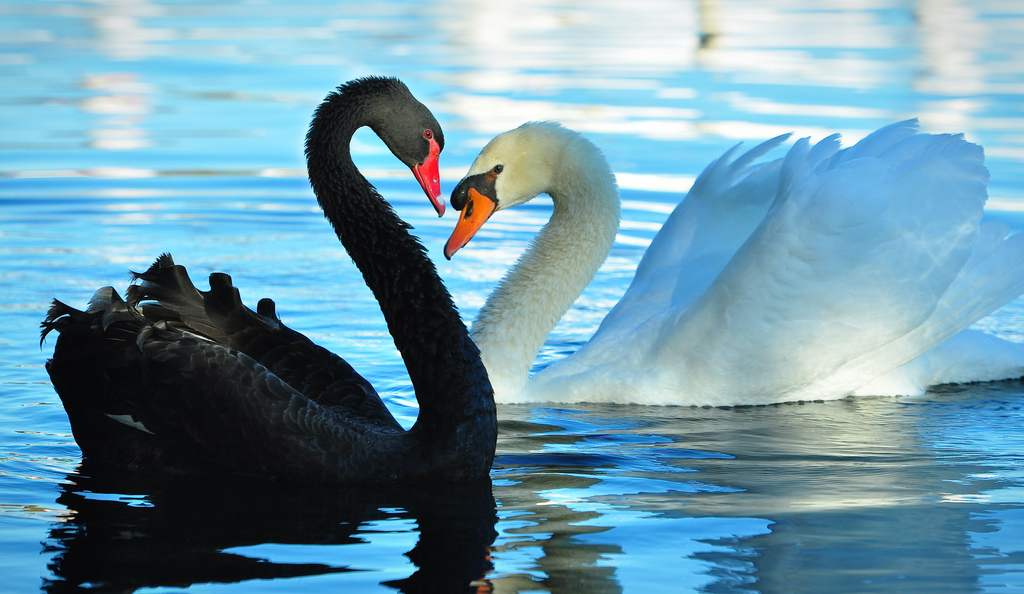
[{"x": 132, "y": 128}]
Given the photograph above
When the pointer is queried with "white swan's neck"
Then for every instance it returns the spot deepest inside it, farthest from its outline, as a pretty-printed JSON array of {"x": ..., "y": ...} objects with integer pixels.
[{"x": 562, "y": 260}]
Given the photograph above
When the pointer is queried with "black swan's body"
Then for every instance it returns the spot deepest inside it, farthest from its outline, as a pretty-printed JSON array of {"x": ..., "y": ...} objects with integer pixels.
[{"x": 182, "y": 380}]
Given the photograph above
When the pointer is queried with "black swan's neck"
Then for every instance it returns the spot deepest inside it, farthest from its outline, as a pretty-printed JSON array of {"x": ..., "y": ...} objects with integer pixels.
[{"x": 443, "y": 363}]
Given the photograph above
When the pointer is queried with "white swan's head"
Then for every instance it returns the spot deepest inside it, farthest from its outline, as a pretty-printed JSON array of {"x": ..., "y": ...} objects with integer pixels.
[{"x": 515, "y": 167}]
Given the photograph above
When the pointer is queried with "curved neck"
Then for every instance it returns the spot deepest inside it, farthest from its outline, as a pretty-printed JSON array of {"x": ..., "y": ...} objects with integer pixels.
[
  {"x": 562, "y": 260},
  {"x": 443, "y": 364}
]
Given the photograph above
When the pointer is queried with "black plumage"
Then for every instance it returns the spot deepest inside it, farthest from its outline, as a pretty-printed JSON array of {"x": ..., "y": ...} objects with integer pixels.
[{"x": 184, "y": 380}]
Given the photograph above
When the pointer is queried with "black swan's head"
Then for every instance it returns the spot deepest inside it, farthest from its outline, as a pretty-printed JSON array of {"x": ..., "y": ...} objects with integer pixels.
[{"x": 405, "y": 125}]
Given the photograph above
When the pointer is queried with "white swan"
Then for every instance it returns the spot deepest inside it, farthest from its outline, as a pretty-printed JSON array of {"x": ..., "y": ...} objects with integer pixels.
[{"x": 820, "y": 275}]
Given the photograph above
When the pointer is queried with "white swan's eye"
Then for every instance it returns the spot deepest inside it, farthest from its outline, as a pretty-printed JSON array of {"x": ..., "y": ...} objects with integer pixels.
[
  {"x": 498, "y": 168},
  {"x": 428, "y": 134}
]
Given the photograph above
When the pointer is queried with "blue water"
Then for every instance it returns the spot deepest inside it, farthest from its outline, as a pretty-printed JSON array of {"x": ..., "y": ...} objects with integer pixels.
[{"x": 131, "y": 128}]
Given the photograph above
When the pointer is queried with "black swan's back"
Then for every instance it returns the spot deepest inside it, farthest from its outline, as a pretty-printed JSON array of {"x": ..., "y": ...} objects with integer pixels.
[
  {"x": 151, "y": 383},
  {"x": 187, "y": 380}
]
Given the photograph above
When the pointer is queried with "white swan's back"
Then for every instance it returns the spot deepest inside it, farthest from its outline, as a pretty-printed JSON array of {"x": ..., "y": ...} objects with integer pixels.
[{"x": 816, "y": 276}]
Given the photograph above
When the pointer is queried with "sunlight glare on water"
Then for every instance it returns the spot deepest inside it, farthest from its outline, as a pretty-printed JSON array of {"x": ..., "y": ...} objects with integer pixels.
[{"x": 140, "y": 127}]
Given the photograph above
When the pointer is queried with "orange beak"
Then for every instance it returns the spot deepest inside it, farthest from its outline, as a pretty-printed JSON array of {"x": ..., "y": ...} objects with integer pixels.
[
  {"x": 430, "y": 180},
  {"x": 478, "y": 209}
]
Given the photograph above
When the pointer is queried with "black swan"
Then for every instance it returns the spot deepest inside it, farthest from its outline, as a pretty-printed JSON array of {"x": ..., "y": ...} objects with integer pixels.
[
  {"x": 820, "y": 275},
  {"x": 182, "y": 380}
]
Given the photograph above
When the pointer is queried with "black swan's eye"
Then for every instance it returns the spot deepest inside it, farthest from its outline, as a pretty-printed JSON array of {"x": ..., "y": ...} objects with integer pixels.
[
  {"x": 428, "y": 134},
  {"x": 498, "y": 168}
]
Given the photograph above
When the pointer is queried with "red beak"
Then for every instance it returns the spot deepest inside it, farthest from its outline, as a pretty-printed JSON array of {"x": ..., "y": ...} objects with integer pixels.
[{"x": 430, "y": 180}]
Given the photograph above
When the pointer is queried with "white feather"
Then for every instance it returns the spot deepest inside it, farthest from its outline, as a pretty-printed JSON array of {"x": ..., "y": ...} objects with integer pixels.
[
  {"x": 131, "y": 422},
  {"x": 820, "y": 275}
]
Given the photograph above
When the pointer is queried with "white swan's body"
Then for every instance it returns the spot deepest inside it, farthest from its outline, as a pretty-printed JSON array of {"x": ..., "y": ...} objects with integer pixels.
[{"x": 820, "y": 275}]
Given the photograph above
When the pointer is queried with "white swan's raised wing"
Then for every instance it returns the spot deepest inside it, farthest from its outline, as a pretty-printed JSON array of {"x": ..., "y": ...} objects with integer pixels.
[
  {"x": 860, "y": 261},
  {"x": 726, "y": 203}
]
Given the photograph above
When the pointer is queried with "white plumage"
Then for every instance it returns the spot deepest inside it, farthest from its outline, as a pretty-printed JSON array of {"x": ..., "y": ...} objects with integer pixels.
[{"x": 820, "y": 275}]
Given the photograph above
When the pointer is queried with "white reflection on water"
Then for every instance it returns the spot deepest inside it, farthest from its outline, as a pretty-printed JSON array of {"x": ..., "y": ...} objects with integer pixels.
[
  {"x": 856, "y": 493},
  {"x": 936, "y": 48},
  {"x": 123, "y": 106},
  {"x": 138, "y": 127}
]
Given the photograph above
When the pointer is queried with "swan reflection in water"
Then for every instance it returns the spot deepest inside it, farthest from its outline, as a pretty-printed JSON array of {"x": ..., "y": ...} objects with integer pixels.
[
  {"x": 820, "y": 497},
  {"x": 912, "y": 493},
  {"x": 141, "y": 531}
]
